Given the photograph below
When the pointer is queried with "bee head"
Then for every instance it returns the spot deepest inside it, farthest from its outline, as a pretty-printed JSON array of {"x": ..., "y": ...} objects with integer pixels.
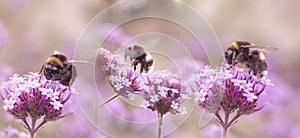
[{"x": 230, "y": 54}]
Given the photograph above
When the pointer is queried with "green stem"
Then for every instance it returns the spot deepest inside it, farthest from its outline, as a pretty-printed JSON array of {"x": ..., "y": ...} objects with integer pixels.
[{"x": 160, "y": 125}]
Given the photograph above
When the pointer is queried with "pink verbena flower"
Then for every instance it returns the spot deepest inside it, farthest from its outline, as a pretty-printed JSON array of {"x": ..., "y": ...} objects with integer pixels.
[
  {"x": 124, "y": 80},
  {"x": 163, "y": 93},
  {"x": 230, "y": 89},
  {"x": 29, "y": 96},
  {"x": 25, "y": 95},
  {"x": 227, "y": 90}
]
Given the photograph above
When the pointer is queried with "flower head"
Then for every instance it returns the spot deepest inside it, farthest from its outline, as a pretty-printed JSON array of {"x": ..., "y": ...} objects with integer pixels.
[
  {"x": 227, "y": 88},
  {"x": 28, "y": 95},
  {"x": 110, "y": 62},
  {"x": 124, "y": 80},
  {"x": 163, "y": 93}
]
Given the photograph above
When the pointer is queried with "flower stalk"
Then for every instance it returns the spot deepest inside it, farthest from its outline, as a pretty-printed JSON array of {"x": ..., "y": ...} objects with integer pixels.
[
  {"x": 32, "y": 129},
  {"x": 160, "y": 125},
  {"x": 225, "y": 126}
]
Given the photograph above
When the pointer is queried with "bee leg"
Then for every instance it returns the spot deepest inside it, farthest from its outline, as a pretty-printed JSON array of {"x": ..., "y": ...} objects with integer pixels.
[
  {"x": 41, "y": 71},
  {"x": 65, "y": 75},
  {"x": 142, "y": 67},
  {"x": 134, "y": 64},
  {"x": 66, "y": 78},
  {"x": 235, "y": 60},
  {"x": 233, "y": 64},
  {"x": 40, "y": 79},
  {"x": 146, "y": 67}
]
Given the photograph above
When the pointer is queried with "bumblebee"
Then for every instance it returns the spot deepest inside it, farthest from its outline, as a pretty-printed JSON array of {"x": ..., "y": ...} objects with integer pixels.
[
  {"x": 58, "y": 68},
  {"x": 137, "y": 55},
  {"x": 248, "y": 55}
]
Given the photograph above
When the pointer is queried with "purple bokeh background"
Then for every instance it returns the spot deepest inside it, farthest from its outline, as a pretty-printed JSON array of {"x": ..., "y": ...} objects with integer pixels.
[{"x": 31, "y": 30}]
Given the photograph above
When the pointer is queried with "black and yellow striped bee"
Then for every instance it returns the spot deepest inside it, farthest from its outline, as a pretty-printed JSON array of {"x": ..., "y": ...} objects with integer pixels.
[
  {"x": 249, "y": 55},
  {"x": 138, "y": 55},
  {"x": 58, "y": 68}
]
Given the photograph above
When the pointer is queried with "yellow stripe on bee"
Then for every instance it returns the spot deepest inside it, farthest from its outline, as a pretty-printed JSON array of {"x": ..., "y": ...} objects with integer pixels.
[
  {"x": 235, "y": 45},
  {"x": 55, "y": 60},
  {"x": 131, "y": 47}
]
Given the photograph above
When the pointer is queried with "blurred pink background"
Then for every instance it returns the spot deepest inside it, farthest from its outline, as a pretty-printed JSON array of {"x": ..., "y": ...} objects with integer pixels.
[{"x": 30, "y": 30}]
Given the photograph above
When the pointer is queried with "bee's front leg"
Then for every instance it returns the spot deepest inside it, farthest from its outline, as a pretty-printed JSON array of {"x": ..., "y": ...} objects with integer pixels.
[{"x": 41, "y": 71}]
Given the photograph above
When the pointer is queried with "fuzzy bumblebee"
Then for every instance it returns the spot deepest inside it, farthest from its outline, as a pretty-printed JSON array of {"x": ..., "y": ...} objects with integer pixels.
[
  {"x": 248, "y": 55},
  {"x": 58, "y": 68},
  {"x": 138, "y": 56}
]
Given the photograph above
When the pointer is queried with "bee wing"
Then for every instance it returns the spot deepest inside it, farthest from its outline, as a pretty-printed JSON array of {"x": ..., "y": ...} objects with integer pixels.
[
  {"x": 134, "y": 53},
  {"x": 261, "y": 48}
]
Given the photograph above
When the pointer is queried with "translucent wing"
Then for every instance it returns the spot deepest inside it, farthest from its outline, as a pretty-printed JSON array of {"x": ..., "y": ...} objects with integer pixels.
[{"x": 261, "y": 48}]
